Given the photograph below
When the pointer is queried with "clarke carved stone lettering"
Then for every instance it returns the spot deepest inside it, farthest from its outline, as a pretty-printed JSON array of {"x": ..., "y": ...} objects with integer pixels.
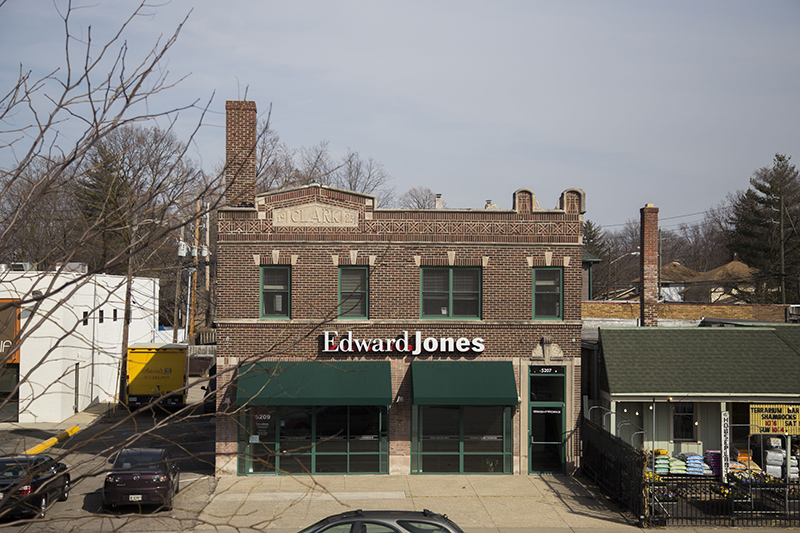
[{"x": 315, "y": 215}]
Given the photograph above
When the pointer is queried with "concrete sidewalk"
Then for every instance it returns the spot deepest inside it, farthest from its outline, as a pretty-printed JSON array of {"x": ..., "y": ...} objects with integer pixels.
[{"x": 479, "y": 504}]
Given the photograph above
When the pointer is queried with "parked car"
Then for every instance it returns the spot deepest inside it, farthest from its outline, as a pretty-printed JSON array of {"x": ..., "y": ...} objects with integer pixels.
[
  {"x": 141, "y": 476},
  {"x": 384, "y": 521},
  {"x": 30, "y": 483}
]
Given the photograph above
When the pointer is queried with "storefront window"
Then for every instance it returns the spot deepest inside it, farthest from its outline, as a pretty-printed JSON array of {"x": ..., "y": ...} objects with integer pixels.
[
  {"x": 336, "y": 439},
  {"x": 461, "y": 439}
]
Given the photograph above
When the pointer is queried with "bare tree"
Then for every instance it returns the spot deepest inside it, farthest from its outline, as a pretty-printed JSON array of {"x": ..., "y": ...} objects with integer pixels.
[
  {"x": 417, "y": 198},
  {"x": 84, "y": 168},
  {"x": 364, "y": 175}
]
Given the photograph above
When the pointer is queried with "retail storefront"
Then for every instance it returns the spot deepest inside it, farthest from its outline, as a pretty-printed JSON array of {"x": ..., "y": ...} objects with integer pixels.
[
  {"x": 355, "y": 339},
  {"x": 462, "y": 417},
  {"x": 314, "y": 417},
  {"x": 333, "y": 417}
]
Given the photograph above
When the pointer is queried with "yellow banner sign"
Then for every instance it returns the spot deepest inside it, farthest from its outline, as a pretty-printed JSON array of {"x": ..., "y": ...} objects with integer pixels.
[{"x": 778, "y": 418}]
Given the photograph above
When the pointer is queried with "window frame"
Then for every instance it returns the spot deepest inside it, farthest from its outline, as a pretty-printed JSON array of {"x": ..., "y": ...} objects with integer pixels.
[
  {"x": 450, "y": 293},
  {"x": 560, "y": 314},
  {"x": 362, "y": 289},
  {"x": 261, "y": 292},
  {"x": 674, "y": 417}
]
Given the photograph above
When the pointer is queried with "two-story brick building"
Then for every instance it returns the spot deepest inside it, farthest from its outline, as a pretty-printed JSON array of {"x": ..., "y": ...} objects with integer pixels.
[{"x": 353, "y": 339}]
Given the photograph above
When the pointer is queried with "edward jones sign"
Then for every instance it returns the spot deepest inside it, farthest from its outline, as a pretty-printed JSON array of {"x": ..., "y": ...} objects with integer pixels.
[{"x": 413, "y": 344}]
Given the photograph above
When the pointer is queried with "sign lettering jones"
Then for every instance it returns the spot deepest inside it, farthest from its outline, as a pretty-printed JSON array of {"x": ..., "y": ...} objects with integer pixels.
[{"x": 414, "y": 344}]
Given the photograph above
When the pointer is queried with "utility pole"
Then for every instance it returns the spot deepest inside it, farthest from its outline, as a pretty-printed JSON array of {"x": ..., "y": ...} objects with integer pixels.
[
  {"x": 178, "y": 279},
  {"x": 195, "y": 253},
  {"x": 783, "y": 257}
]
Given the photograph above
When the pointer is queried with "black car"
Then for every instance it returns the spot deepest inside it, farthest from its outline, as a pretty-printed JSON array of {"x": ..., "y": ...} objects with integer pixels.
[
  {"x": 142, "y": 476},
  {"x": 385, "y": 522},
  {"x": 30, "y": 483}
]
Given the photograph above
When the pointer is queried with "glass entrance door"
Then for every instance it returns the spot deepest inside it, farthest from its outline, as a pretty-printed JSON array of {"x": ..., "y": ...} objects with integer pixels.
[{"x": 546, "y": 410}]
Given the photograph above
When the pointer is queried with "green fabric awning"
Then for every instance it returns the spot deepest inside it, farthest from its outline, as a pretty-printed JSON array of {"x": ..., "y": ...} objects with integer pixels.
[
  {"x": 315, "y": 383},
  {"x": 464, "y": 383}
]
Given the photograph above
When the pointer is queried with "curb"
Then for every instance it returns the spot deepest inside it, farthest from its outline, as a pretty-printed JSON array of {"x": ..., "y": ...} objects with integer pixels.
[{"x": 52, "y": 441}]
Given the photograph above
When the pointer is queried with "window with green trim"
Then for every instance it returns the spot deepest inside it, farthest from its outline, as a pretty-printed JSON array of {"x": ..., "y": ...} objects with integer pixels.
[
  {"x": 353, "y": 292},
  {"x": 276, "y": 290},
  {"x": 548, "y": 297},
  {"x": 450, "y": 292}
]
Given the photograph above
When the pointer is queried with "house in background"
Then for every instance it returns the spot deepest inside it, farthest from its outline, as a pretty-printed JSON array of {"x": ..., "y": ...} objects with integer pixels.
[
  {"x": 674, "y": 278},
  {"x": 69, "y": 343},
  {"x": 733, "y": 282}
]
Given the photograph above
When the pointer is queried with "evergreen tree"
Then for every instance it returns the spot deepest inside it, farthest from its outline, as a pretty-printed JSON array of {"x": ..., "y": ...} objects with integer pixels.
[{"x": 762, "y": 230}]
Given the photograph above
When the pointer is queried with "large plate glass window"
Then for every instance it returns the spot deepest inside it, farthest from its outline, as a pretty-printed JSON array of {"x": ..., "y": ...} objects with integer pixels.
[
  {"x": 547, "y": 407},
  {"x": 461, "y": 439},
  {"x": 327, "y": 439},
  {"x": 276, "y": 291},
  {"x": 353, "y": 292},
  {"x": 548, "y": 288},
  {"x": 450, "y": 292}
]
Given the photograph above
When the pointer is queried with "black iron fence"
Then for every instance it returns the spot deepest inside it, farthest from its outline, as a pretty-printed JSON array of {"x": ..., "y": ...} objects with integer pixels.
[
  {"x": 619, "y": 470},
  {"x": 615, "y": 466}
]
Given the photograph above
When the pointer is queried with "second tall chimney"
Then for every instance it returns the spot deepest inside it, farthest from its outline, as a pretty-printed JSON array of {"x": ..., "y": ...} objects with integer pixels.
[
  {"x": 241, "y": 124},
  {"x": 648, "y": 305}
]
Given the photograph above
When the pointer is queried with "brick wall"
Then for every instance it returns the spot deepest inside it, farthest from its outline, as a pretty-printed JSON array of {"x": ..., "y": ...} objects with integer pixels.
[
  {"x": 240, "y": 150},
  {"x": 648, "y": 255},
  {"x": 395, "y": 245},
  {"x": 686, "y": 311}
]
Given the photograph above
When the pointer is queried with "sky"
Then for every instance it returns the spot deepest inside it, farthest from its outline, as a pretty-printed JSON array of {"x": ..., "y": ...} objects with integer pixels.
[{"x": 672, "y": 103}]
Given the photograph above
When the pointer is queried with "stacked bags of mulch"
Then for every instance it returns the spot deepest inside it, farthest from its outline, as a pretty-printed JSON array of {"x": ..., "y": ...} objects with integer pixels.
[
  {"x": 714, "y": 459},
  {"x": 659, "y": 459},
  {"x": 694, "y": 463}
]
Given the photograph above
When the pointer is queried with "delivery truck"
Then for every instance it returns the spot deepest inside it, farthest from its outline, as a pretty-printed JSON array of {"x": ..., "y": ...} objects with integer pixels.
[{"x": 157, "y": 373}]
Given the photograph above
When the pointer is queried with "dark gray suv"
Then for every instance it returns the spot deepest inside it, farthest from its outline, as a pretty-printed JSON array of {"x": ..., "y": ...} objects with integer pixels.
[{"x": 385, "y": 522}]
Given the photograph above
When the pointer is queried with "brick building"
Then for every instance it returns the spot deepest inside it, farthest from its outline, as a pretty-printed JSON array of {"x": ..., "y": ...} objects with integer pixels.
[{"x": 360, "y": 340}]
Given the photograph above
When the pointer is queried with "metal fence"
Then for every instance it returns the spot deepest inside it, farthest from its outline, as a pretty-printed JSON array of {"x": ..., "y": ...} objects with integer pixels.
[
  {"x": 618, "y": 469},
  {"x": 615, "y": 466},
  {"x": 700, "y": 501}
]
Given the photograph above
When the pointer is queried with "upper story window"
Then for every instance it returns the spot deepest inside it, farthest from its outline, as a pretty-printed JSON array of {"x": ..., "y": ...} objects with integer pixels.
[
  {"x": 548, "y": 293},
  {"x": 353, "y": 292},
  {"x": 276, "y": 290},
  {"x": 450, "y": 292}
]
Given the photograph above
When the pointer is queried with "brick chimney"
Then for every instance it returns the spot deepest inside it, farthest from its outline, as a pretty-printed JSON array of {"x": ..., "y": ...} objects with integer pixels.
[
  {"x": 648, "y": 304},
  {"x": 241, "y": 123}
]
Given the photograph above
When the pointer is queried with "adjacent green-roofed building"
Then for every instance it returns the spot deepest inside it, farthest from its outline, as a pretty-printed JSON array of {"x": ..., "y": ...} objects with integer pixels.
[{"x": 688, "y": 377}]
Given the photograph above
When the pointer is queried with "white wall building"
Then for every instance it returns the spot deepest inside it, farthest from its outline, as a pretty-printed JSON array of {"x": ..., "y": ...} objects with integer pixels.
[{"x": 71, "y": 341}]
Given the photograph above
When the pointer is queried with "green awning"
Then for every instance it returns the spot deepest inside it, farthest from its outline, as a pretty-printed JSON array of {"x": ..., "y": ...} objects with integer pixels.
[
  {"x": 464, "y": 383},
  {"x": 315, "y": 383}
]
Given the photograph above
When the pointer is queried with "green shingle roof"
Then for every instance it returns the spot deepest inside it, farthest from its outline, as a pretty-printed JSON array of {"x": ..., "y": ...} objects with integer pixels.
[{"x": 701, "y": 361}]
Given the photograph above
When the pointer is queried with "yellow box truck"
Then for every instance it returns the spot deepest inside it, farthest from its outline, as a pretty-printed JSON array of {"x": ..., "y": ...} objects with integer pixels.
[{"x": 157, "y": 373}]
